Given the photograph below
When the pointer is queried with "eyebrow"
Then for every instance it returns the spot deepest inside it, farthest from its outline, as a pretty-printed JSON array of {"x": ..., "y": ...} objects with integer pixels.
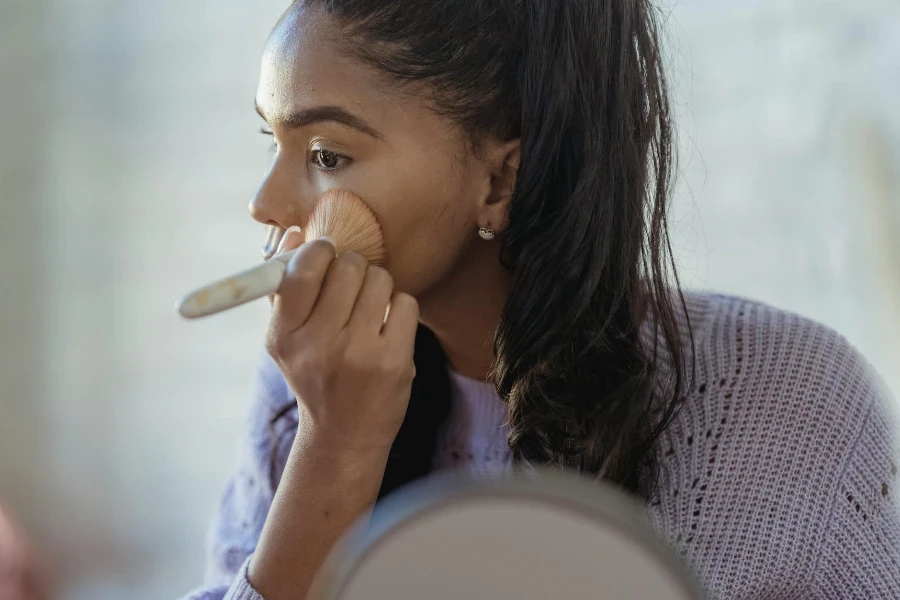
[{"x": 318, "y": 114}]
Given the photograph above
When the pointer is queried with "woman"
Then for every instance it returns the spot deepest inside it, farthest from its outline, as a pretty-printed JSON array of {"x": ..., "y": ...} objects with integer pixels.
[{"x": 518, "y": 155}]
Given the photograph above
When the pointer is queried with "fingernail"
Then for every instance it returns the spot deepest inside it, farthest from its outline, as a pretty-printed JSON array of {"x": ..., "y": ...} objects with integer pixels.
[{"x": 329, "y": 240}]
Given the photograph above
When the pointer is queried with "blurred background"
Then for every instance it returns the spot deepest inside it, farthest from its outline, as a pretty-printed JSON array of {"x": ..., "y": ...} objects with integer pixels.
[{"x": 129, "y": 152}]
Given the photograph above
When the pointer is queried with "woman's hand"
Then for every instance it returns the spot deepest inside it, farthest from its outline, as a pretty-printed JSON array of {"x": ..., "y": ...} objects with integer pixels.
[
  {"x": 352, "y": 372},
  {"x": 350, "y": 369}
]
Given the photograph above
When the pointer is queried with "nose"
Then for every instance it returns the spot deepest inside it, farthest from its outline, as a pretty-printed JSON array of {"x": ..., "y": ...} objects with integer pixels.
[
  {"x": 264, "y": 207},
  {"x": 282, "y": 200}
]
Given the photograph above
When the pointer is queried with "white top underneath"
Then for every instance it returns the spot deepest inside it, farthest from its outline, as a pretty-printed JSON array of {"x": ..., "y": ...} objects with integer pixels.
[{"x": 474, "y": 437}]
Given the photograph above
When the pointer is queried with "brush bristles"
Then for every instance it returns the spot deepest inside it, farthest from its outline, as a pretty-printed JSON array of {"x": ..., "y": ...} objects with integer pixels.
[{"x": 345, "y": 218}]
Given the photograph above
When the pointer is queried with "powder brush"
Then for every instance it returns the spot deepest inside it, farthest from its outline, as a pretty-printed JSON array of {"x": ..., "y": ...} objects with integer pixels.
[{"x": 338, "y": 214}]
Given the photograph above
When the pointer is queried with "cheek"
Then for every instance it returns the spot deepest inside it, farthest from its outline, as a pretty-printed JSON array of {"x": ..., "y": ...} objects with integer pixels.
[
  {"x": 421, "y": 187},
  {"x": 428, "y": 249},
  {"x": 426, "y": 228}
]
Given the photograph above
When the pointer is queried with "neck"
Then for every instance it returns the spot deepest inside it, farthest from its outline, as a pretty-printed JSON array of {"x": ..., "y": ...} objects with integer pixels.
[{"x": 464, "y": 309}]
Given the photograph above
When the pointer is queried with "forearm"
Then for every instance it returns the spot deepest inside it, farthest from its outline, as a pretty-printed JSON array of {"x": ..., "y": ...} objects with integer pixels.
[{"x": 322, "y": 492}]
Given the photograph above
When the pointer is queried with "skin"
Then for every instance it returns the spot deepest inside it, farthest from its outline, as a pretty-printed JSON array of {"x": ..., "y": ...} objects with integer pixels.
[
  {"x": 350, "y": 368},
  {"x": 426, "y": 186}
]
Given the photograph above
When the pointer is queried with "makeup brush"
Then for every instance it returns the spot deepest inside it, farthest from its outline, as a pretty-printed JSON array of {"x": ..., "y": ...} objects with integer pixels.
[{"x": 338, "y": 214}]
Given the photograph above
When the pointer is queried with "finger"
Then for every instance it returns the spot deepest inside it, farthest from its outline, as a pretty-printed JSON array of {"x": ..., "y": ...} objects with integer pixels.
[
  {"x": 403, "y": 318},
  {"x": 342, "y": 284},
  {"x": 302, "y": 284},
  {"x": 369, "y": 311},
  {"x": 291, "y": 239}
]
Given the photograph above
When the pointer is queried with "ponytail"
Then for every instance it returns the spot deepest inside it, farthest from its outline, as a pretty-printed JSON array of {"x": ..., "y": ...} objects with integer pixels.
[{"x": 588, "y": 230}]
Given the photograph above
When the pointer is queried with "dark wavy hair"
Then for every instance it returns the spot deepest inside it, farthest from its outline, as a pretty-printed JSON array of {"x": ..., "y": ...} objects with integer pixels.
[{"x": 581, "y": 83}]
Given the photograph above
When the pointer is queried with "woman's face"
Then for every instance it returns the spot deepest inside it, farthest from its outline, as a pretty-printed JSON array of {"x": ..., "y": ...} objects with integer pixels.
[{"x": 341, "y": 124}]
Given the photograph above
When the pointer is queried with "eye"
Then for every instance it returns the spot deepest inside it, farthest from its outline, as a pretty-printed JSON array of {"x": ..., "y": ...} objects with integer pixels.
[
  {"x": 271, "y": 134},
  {"x": 328, "y": 160}
]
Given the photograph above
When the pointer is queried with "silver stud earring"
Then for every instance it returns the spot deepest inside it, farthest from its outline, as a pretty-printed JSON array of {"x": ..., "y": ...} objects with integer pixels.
[{"x": 486, "y": 233}]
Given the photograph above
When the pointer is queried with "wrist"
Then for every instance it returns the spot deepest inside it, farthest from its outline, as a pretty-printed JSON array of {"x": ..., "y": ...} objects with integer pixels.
[{"x": 340, "y": 455}]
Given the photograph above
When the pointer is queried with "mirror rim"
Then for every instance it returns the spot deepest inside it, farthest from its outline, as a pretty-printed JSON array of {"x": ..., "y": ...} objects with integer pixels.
[{"x": 595, "y": 500}]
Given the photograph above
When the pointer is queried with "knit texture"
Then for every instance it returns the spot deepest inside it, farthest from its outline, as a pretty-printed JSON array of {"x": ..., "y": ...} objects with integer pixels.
[
  {"x": 474, "y": 437},
  {"x": 778, "y": 477}
]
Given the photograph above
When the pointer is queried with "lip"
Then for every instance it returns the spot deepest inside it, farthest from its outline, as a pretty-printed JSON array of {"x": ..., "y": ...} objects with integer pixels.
[{"x": 274, "y": 233}]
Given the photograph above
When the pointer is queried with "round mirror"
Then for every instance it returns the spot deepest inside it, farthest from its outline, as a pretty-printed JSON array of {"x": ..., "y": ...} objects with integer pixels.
[{"x": 524, "y": 537}]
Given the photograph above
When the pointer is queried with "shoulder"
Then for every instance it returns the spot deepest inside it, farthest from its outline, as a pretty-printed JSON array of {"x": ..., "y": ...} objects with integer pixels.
[
  {"x": 779, "y": 385},
  {"x": 778, "y": 414},
  {"x": 763, "y": 350},
  {"x": 746, "y": 354}
]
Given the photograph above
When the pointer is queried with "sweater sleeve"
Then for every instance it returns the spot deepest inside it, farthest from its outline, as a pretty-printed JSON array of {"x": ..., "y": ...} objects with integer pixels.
[
  {"x": 244, "y": 504},
  {"x": 860, "y": 553}
]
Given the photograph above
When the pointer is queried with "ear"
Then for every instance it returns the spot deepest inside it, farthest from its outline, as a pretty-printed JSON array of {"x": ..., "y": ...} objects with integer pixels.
[{"x": 503, "y": 163}]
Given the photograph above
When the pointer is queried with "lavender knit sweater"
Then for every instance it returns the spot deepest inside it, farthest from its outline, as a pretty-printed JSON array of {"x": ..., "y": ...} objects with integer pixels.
[{"x": 778, "y": 478}]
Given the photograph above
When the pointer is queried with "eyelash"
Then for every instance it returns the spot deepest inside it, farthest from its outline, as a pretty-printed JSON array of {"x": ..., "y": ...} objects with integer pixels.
[
  {"x": 274, "y": 147},
  {"x": 269, "y": 133}
]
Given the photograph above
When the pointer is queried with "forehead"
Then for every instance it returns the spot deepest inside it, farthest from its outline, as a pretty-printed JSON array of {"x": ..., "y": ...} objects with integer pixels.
[{"x": 302, "y": 67}]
